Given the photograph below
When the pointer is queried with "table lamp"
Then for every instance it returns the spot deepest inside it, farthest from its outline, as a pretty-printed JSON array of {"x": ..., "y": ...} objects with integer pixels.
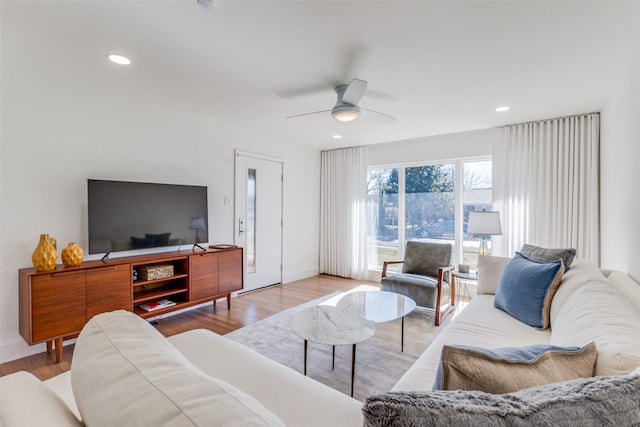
[{"x": 486, "y": 223}]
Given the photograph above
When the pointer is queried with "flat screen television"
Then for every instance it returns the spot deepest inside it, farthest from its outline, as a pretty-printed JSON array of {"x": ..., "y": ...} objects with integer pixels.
[{"x": 127, "y": 216}]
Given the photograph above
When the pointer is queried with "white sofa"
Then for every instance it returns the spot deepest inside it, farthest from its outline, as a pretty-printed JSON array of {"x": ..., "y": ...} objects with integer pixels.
[
  {"x": 608, "y": 314},
  {"x": 587, "y": 307}
]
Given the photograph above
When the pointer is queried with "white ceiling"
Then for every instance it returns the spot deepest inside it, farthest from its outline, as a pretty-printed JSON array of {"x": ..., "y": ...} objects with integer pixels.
[{"x": 438, "y": 67}]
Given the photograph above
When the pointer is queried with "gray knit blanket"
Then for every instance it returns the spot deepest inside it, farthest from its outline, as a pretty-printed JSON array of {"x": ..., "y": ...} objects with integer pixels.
[{"x": 586, "y": 402}]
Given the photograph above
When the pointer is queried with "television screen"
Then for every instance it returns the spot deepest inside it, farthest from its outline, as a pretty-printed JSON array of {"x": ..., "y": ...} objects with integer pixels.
[{"x": 134, "y": 215}]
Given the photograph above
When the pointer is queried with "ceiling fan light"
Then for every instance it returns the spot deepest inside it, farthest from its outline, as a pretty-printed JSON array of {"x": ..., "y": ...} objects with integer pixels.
[
  {"x": 346, "y": 116},
  {"x": 345, "y": 113}
]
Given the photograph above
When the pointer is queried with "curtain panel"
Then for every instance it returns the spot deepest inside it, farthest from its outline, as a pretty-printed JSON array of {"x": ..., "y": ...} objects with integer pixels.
[
  {"x": 546, "y": 185},
  {"x": 343, "y": 193}
]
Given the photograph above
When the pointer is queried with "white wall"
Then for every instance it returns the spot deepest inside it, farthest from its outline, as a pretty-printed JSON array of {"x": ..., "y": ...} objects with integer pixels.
[
  {"x": 620, "y": 175},
  {"x": 57, "y": 133},
  {"x": 436, "y": 148}
]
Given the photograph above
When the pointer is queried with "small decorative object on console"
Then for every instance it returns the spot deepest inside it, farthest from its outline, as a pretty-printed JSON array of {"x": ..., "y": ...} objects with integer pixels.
[
  {"x": 153, "y": 272},
  {"x": 72, "y": 255},
  {"x": 45, "y": 255},
  {"x": 223, "y": 246}
]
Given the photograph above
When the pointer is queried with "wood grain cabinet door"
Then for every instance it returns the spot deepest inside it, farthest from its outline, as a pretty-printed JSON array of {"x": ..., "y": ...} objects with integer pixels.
[
  {"x": 230, "y": 271},
  {"x": 108, "y": 289},
  {"x": 204, "y": 275},
  {"x": 58, "y": 305}
]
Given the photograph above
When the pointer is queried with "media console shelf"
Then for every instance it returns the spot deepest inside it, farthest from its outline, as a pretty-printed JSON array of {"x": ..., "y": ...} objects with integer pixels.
[{"x": 55, "y": 305}]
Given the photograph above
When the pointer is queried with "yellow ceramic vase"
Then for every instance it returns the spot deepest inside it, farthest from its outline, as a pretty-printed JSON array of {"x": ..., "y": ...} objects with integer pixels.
[
  {"x": 45, "y": 256},
  {"x": 72, "y": 255}
]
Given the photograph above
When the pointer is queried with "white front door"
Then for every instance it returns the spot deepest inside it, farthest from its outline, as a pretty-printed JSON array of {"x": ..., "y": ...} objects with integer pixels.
[{"x": 258, "y": 227}]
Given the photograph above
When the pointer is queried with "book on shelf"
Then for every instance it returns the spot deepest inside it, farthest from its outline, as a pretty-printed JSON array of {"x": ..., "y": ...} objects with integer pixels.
[{"x": 157, "y": 305}]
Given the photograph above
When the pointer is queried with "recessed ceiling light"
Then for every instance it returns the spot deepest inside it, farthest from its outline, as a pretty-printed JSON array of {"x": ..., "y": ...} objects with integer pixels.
[
  {"x": 118, "y": 59},
  {"x": 337, "y": 136},
  {"x": 206, "y": 4},
  {"x": 501, "y": 109}
]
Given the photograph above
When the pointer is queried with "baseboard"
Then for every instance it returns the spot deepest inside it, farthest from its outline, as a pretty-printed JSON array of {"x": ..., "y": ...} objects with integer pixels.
[
  {"x": 292, "y": 276},
  {"x": 19, "y": 349}
]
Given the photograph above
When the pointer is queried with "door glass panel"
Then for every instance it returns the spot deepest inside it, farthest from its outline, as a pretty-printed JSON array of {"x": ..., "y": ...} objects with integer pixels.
[
  {"x": 382, "y": 216},
  {"x": 251, "y": 221}
]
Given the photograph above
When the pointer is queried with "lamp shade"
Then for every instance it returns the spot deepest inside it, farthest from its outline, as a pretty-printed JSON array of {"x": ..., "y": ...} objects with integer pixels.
[
  {"x": 196, "y": 223},
  {"x": 484, "y": 222}
]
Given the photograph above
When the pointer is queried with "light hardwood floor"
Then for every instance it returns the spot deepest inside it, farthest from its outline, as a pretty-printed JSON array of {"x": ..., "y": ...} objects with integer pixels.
[{"x": 246, "y": 309}]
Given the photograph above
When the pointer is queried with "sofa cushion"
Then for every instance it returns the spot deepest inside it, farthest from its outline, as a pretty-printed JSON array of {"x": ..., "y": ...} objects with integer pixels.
[
  {"x": 505, "y": 370},
  {"x": 120, "y": 359},
  {"x": 422, "y": 289},
  {"x": 581, "y": 272},
  {"x": 26, "y": 401},
  {"x": 526, "y": 289},
  {"x": 597, "y": 312},
  {"x": 539, "y": 254},
  {"x": 585, "y": 402},
  {"x": 628, "y": 287},
  {"x": 489, "y": 271},
  {"x": 480, "y": 324}
]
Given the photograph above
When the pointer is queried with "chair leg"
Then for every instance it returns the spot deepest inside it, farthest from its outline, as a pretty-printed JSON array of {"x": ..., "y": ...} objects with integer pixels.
[{"x": 440, "y": 315}]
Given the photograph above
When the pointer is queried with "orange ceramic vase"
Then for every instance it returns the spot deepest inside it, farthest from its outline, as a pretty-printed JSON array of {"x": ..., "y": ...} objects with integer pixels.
[
  {"x": 45, "y": 256},
  {"x": 72, "y": 255}
]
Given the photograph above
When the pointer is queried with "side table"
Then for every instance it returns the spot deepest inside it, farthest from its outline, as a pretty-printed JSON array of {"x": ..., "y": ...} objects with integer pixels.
[{"x": 459, "y": 282}]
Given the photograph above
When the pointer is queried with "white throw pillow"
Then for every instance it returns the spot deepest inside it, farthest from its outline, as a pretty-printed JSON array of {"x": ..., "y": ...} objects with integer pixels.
[
  {"x": 597, "y": 312},
  {"x": 124, "y": 372},
  {"x": 489, "y": 271}
]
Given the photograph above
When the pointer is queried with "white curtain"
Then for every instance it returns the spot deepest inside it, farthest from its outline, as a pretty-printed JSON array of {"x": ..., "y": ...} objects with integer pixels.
[
  {"x": 546, "y": 185},
  {"x": 343, "y": 193}
]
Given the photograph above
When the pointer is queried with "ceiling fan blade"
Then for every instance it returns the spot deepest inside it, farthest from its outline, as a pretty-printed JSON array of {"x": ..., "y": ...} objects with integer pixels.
[
  {"x": 354, "y": 92},
  {"x": 305, "y": 90},
  {"x": 375, "y": 115},
  {"x": 353, "y": 59},
  {"x": 308, "y": 114}
]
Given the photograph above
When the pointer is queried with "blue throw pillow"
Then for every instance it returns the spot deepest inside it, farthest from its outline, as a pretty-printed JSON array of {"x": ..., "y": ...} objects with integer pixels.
[
  {"x": 508, "y": 369},
  {"x": 526, "y": 289}
]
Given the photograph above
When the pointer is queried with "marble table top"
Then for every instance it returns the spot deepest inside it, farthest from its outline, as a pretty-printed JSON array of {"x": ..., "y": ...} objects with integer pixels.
[
  {"x": 332, "y": 325},
  {"x": 377, "y": 306}
]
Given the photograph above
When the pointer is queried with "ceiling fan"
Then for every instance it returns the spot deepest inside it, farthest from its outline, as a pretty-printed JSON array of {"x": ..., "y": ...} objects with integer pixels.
[{"x": 347, "y": 108}]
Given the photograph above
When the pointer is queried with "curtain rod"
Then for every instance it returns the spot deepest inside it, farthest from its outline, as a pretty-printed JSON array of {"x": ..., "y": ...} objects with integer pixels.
[{"x": 548, "y": 120}]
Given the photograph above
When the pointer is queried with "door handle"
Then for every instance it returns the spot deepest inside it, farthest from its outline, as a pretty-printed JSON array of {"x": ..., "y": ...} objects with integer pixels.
[{"x": 240, "y": 225}]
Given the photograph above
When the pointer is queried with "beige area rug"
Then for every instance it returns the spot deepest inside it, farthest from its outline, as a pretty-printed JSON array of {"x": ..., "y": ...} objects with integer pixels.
[{"x": 379, "y": 361}]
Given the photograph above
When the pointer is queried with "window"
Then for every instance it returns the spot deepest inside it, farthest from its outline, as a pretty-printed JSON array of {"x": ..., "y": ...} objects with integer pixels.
[
  {"x": 476, "y": 196},
  {"x": 428, "y": 203},
  {"x": 382, "y": 216}
]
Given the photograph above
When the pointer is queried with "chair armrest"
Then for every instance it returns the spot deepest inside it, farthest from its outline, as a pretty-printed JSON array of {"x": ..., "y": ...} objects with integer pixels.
[
  {"x": 447, "y": 268},
  {"x": 386, "y": 263},
  {"x": 443, "y": 270}
]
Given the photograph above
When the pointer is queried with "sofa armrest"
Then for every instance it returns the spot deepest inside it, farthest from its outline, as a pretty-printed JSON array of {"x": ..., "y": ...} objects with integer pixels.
[{"x": 27, "y": 401}]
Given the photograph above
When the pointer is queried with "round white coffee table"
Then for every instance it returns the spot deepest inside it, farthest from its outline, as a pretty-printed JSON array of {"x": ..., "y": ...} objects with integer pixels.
[{"x": 325, "y": 324}]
